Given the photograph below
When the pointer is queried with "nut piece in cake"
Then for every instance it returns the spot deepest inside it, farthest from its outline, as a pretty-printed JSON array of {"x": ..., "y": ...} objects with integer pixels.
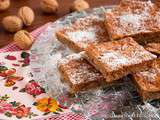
[
  {"x": 148, "y": 82},
  {"x": 133, "y": 18},
  {"x": 154, "y": 48},
  {"x": 78, "y": 73},
  {"x": 83, "y": 32},
  {"x": 119, "y": 58}
]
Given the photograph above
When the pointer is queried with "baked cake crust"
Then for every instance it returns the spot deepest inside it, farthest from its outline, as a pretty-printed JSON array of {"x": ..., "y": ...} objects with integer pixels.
[
  {"x": 83, "y": 32},
  {"x": 154, "y": 48},
  {"x": 79, "y": 73},
  {"x": 148, "y": 82},
  {"x": 136, "y": 19},
  {"x": 119, "y": 58}
]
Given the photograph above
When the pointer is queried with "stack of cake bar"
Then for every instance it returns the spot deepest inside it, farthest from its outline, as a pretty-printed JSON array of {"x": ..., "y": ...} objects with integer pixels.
[{"x": 125, "y": 42}]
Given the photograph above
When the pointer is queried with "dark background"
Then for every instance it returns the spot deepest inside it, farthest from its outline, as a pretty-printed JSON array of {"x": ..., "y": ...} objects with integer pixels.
[{"x": 41, "y": 18}]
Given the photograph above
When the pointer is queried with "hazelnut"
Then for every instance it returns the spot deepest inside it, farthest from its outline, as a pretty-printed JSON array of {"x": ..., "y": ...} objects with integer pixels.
[
  {"x": 49, "y": 6},
  {"x": 79, "y": 5},
  {"x": 4, "y": 4},
  {"x": 12, "y": 23},
  {"x": 23, "y": 39},
  {"x": 27, "y": 15}
]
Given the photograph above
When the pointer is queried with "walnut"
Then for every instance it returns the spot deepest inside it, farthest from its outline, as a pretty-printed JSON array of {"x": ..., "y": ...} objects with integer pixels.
[
  {"x": 4, "y": 4},
  {"x": 79, "y": 5},
  {"x": 12, "y": 23},
  {"x": 23, "y": 39},
  {"x": 27, "y": 15},
  {"x": 49, "y": 6}
]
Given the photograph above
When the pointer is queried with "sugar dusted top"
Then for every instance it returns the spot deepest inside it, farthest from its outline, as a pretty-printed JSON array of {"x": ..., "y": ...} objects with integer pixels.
[
  {"x": 132, "y": 17},
  {"x": 150, "y": 79},
  {"x": 68, "y": 58},
  {"x": 118, "y": 54},
  {"x": 86, "y": 30},
  {"x": 79, "y": 70}
]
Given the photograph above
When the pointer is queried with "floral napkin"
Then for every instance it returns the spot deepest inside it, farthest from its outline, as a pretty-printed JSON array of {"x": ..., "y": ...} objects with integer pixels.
[{"x": 21, "y": 97}]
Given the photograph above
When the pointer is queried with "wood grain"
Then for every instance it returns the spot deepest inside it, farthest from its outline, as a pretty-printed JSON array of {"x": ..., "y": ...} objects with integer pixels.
[{"x": 41, "y": 18}]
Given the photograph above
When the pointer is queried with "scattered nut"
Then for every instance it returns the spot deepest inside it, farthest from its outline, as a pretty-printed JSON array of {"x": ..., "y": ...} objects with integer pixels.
[
  {"x": 12, "y": 23},
  {"x": 4, "y": 4},
  {"x": 79, "y": 5},
  {"x": 27, "y": 15},
  {"x": 49, "y": 6},
  {"x": 23, "y": 39}
]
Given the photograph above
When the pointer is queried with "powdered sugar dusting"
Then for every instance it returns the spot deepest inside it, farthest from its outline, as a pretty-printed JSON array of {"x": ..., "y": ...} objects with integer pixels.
[
  {"x": 70, "y": 57},
  {"x": 83, "y": 35},
  {"x": 132, "y": 18},
  {"x": 132, "y": 23},
  {"x": 85, "y": 31},
  {"x": 84, "y": 73},
  {"x": 119, "y": 54},
  {"x": 114, "y": 59},
  {"x": 79, "y": 70}
]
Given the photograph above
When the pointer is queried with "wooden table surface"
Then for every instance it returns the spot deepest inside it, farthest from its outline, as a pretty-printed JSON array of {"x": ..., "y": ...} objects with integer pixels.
[{"x": 41, "y": 18}]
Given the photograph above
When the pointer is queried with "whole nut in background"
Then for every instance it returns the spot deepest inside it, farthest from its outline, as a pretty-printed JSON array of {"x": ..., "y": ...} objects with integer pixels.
[
  {"x": 49, "y": 6},
  {"x": 12, "y": 23},
  {"x": 23, "y": 39},
  {"x": 79, "y": 5},
  {"x": 27, "y": 15},
  {"x": 4, "y": 4}
]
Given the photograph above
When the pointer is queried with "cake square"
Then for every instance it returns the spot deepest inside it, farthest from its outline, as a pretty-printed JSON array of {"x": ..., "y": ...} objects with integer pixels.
[
  {"x": 116, "y": 59},
  {"x": 78, "y": 73},
  {"x": 153, "y": 48},
  {"x": 82, "y": 32},
  {"x": 148, "y": 82},
  {"x": 133, "y": 18}
]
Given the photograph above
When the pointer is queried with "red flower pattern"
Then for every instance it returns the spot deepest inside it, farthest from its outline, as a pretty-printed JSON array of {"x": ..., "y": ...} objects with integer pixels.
[
  {"x": 4, "y": 106},
  {"x": 14, "y": 108},
  {"x": 10, "y": 76},
  {"x": 33, "y": 88},
  {"x": 22, "y": 111},
  {"x": 10, "y": 57},
  {"x": 11, "y": 109}
]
